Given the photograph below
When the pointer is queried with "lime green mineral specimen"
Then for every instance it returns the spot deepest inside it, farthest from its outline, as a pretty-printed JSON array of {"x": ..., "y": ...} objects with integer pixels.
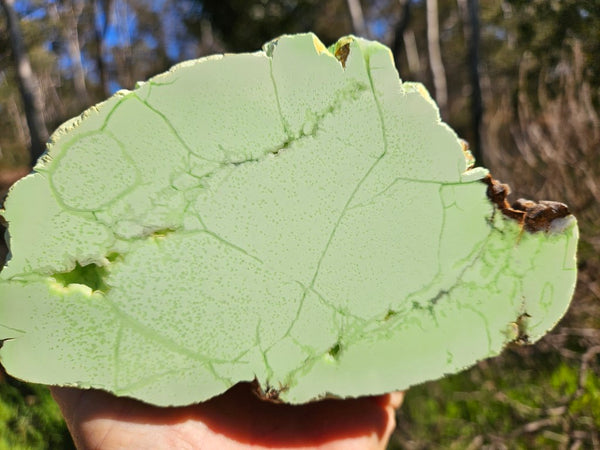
[{"x": 298, "y": 216}]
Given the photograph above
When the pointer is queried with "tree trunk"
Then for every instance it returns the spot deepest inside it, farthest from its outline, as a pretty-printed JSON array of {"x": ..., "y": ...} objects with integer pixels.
[
  {"x": 400, "y": 31},
  {"x": 99, "y": 32},
  {"x": 123, "y": 54},
  {"x": 435, "y": 57},
  {"x": 162, "y": 54},
  {"x": 412, "y": 55},
  {"x": 17, "y": 119},
  {"x": 469, "y": 10},
  {"x": 71, "y": 12},
  {"x": 358, "y": 20},
  {"x": 28, "y": 85},
  {"x": 476, "y": 100}
]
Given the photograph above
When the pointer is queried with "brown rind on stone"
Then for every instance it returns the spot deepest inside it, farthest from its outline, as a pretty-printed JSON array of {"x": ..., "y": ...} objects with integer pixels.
[
  {"x": 522, "y": 336},
  {"x": 2, "y": 341},
  {"x": 532, "y": 216},
  {"x": 342, "y": 53},
  {"x": 467, "y": 153},
  {"x": 270, "y": 394}
]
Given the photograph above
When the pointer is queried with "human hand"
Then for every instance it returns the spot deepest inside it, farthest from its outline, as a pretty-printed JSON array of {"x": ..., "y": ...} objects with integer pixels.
[{"x": 237, "y": 419}]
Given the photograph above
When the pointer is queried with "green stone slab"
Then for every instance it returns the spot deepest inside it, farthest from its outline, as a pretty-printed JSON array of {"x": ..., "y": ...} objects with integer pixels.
[{"x": 288, "y": 216}]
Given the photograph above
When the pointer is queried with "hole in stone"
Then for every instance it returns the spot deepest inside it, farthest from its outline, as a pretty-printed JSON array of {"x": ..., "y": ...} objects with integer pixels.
[
  {"x": 334, "y": 351},
  {"x": 114, "y": 256},
  {"x": 90, "y": 275},
  {"x": 162, "y": 232},
  {"x": 342, "y": 53},
  {"x": 391, "y": 313}
]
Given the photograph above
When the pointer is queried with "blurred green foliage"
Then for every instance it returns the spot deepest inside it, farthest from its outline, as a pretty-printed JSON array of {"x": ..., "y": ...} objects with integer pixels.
[
  {"x": 29, "y": 418},
  {"x": 496, "y": 405}
]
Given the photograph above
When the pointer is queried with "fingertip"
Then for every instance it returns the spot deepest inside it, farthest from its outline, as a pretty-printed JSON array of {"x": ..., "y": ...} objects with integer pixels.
[{"x": 396, "y": 399}]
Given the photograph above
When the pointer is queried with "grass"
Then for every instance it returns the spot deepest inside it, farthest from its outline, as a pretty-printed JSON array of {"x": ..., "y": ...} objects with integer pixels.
[
  {"x": 522, "y": 400},
  {"x": 29, "y": 418}
]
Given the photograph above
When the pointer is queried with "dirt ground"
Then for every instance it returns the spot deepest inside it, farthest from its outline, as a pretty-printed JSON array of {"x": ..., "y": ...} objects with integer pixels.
[{"x": 9, "y": 176}]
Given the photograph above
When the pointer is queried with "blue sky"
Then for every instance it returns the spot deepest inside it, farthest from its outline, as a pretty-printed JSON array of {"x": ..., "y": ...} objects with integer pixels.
[{"x": 122, "y": 30}]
